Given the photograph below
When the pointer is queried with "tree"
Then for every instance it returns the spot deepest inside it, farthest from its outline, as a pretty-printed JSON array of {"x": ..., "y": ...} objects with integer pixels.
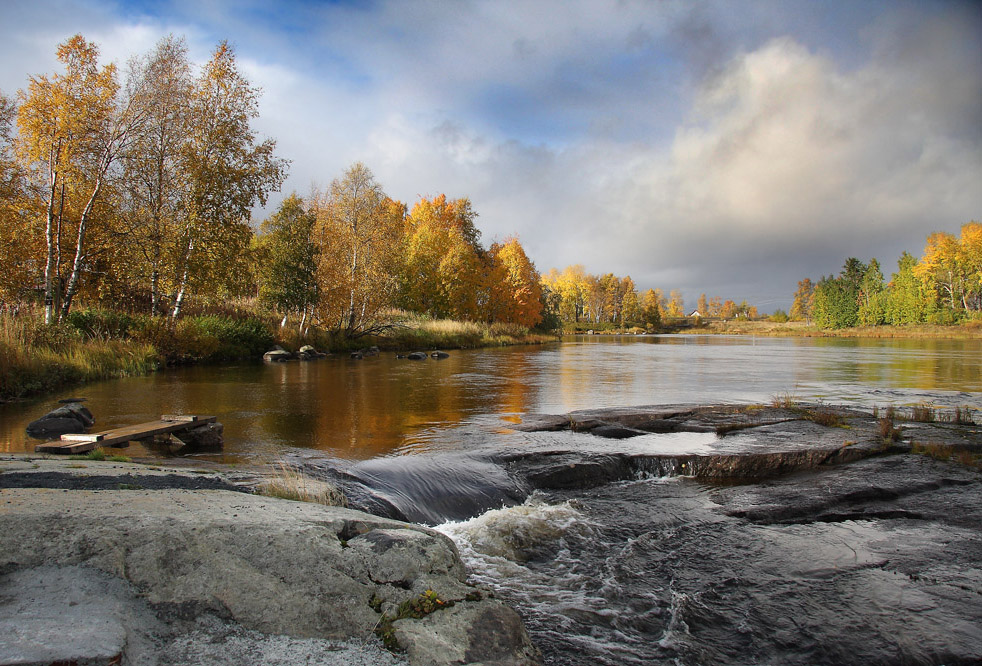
[
  {"x": 728, "y": 310},
  {"x": 71, "y": 132},
  {"x": 444, "y": 272},
  {"x": 905, "y": 300},
  {"x": 359, "y": 233},
  {"x": 155, "y": 179},
  {"x": 940, "y": 268},
  {"x": 651, "y": 308},
  {"x": 801, "y": 307},
  {"x": 703, "y": 305},
  {"x": 288, "y": 260},
  {"x": 971, "y": 256},
  {"x": 17, "y": 239},
  {"x": 872, "y": 299},
  {"x": 522, "y": 290},
  {"x": 630, "y": 303},
  {"x": 676, "y": 306},
  {"x": 227, "y": 172}
]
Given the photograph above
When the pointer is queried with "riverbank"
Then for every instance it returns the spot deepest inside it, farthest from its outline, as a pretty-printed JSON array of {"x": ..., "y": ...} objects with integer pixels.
[
  {"x": 965, "y": 330},
  {"x": 765, "y": 328},
  {"x": 95, "y": 344}
]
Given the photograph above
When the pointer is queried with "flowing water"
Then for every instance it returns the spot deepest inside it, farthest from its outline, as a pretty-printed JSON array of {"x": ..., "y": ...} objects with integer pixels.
[{"x": 638, "y": 571}]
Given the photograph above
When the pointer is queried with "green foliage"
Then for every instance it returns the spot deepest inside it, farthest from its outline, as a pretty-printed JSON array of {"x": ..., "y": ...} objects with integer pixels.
[
  {"x": 216, "y": 338},
  {"x": 288, "y": 259},
  {"x": 102, "y": 323},
  {"x": 779, "y": 316}
]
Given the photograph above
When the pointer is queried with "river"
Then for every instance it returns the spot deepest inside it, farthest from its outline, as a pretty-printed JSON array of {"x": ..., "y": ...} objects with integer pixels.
[
  {"x": 647, "y": 569},
  {"x": 383, "y": 406}
]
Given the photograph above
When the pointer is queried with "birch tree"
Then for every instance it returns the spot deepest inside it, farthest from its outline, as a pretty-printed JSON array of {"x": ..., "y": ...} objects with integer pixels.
[
  {"x": 227, "y": 171},
  {"x": 71, "y": 132}
]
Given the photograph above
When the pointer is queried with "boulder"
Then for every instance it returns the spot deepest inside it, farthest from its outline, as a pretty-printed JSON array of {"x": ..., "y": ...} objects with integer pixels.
[
  {"x": 440, "y": 354},
  {"x": 487, "y": 632},
  {"x": 357, "y": 355},
  {"x": 417, "y": 356},
  {"x": 277, "y": 356},
  {"x": 69, "y": 418},
  {"x": 205, "y": 437}
]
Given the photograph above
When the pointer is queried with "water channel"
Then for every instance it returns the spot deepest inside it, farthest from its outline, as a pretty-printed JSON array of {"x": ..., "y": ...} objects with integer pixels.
[{"x": 648, "y": 570}]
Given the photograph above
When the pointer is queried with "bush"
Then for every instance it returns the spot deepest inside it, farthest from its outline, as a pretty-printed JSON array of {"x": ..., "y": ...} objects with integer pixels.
[{"x": 102, "y": 323}]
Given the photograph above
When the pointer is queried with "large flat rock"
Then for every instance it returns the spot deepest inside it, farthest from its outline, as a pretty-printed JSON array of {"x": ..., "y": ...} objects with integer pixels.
[{"x": 269, "y": 565}]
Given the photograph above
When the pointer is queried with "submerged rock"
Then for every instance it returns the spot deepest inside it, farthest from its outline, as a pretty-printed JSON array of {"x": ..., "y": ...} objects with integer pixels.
[{"x": 417, "y": 356}]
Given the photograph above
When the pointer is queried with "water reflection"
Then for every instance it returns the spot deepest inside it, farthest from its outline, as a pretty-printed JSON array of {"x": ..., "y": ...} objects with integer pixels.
[{"x": 385, "y": 406}]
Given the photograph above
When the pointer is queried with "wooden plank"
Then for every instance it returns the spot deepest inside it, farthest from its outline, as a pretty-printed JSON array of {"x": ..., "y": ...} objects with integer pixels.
[
  {"x": 140, "y": 431},
  {"x": 83, "y": 437},
  {"x": 180, "y": 417},
  {"x": 55, "y": 447}
]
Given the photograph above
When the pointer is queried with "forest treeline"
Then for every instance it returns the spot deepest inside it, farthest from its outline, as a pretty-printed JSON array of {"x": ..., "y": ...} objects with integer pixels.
[
  {"x": 943, "y": 287},
  {"x": 134, "y": 191},
  {"x": 574, "y": 296}
]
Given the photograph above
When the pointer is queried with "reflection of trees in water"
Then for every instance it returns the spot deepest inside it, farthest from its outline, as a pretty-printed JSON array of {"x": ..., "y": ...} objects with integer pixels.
[{"x": 925, "y": 364}]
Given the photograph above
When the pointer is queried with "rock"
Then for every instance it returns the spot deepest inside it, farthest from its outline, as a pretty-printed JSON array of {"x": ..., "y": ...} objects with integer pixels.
[
  {"x": 206, "y": 437},
  {"x": 357, "y": 355},
  {"x": 277, "y": 356},
  {"x": 308, "y": 349},
  {"x": 69, "y": 418},
  {"x": 440, "y": 354},
  {"x": 468, "y": 633},
  {"x": 417, "y": 356},
  {"x": 370, "y": 351},
  {"x": 309, "y": 353},
  {"x": 270, "y": 565},
  {"x": 616, "y": 432}
]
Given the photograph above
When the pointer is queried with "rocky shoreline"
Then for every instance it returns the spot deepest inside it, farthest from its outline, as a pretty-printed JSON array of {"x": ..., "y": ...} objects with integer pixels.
[{"x": 109, "y": 562}]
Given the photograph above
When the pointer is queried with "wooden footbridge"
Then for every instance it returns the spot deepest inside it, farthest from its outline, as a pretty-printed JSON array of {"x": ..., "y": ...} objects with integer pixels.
[{"x": 142, "y": 432}]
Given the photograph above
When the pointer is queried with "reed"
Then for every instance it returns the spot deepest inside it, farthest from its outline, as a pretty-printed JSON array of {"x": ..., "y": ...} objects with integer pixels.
[{"x": 292, "y": 484}]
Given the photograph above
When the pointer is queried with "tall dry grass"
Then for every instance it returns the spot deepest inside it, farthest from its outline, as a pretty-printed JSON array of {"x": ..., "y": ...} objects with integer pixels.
[{"x": 35, "y": 358}]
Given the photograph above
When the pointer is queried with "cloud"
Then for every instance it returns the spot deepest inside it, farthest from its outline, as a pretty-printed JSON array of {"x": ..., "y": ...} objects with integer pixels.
[{"x": 731, "y": 151}]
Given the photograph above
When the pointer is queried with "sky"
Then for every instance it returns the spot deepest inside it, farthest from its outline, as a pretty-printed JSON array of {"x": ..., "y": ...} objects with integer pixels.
[{"x": 726, "y": 147}]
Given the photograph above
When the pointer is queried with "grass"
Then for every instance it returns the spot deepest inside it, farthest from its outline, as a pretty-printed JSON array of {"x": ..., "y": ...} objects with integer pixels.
[
  {"x": 291, "y": 484},
  {"x": 965, "y": 329},
  {"x": 99, "y": 455},
  {"x": 948, "y": 452}
]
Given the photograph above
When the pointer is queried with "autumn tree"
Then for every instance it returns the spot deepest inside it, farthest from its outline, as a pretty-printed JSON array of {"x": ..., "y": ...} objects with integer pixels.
[
  {"x": 651, "y": 309},
  {"x": 444, "y": 268},
  {"x": 703, "y": 305},
  {"x": 156, "y": 174},
  {"x": 801, "y": 306},
  {"x": 227, "y": 171},
  {"x": 16, "y": 236},
  {"x": 288, "y": 261},
  {"x": 521, "y": 293},
  {"x": 630, "y": 303},
  {"x": 568, "y": 292},
  {"x": 676, "y": 305},
  {"x": 970, "y": 253},
  {"x": 358, "y": 234},
  {"x": 72, "y": 130}
]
